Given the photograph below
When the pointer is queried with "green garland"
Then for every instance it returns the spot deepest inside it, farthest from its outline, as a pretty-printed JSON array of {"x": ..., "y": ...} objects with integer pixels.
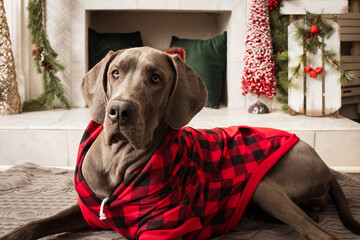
[
  {"x": 45, "y": 61},
  {"x": 279, "y": 24}
]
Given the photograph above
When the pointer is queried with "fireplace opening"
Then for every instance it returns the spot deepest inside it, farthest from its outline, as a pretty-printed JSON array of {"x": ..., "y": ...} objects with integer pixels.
[{"x": 157, "y": 28}]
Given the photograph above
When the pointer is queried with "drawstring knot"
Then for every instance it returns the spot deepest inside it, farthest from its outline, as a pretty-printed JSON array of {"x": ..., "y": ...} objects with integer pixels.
[{"x": 102, "y": 215}]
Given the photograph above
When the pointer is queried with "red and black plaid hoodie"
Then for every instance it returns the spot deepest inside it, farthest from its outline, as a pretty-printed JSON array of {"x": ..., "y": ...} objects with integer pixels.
[{"x": 196, "y": 185}]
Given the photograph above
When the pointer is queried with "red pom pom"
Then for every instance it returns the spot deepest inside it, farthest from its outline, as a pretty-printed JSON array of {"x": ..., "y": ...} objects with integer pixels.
[
  {"x": 308, "y": 68},
  {"x": 318, "y": 70},
  {"x": 313, "y": 74},
  {"x": 314, "y": 29}
]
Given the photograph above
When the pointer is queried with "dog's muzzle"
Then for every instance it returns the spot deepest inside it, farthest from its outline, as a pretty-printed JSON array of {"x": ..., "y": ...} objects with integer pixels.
[{"x": 121, "y": 112}]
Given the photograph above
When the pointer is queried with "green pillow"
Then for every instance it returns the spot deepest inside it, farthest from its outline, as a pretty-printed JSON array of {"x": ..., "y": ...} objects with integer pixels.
[
  {"x": 101, "y": 43},
  {"x": 208, "y": 59}
]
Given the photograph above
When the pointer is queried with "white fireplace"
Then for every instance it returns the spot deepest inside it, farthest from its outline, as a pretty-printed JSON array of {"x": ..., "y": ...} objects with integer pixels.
[{"x": 157, "y": 21}]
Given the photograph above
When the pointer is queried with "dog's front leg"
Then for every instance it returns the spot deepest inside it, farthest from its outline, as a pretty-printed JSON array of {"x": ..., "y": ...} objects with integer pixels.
[{"x": 70, "y": 219}]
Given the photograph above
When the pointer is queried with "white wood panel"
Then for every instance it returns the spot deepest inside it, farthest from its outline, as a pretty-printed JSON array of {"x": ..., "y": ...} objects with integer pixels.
[
  {"x": 332, "y": 82},
  {"x": 296, "y": 89},
  {"x": 314, "y": 103}
]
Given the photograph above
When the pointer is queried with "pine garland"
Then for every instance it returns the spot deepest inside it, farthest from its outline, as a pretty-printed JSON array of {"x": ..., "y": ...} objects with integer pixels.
[
  {"x": 45, "y": 61},
  {"x": 314, "y": 32},
  {"x": 279, "y": 25}
]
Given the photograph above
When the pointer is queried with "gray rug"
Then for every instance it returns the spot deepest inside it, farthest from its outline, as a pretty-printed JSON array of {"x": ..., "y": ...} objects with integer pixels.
[{"x": 29, "y": 192}]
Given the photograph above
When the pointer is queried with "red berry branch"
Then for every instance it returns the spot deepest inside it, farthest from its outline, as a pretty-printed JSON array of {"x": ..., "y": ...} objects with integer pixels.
[{"x": 272, "y": 4}]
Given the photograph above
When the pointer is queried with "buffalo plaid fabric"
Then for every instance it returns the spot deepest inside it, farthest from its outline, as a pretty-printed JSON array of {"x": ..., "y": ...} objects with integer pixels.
[{"x": 196, "y": 185}]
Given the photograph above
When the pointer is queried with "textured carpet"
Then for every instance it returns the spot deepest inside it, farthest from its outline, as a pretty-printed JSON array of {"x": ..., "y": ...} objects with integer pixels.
[{"x": 29, "y": 192}]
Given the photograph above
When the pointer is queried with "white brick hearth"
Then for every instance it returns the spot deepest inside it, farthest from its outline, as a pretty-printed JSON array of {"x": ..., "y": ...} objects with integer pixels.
[{"x": 51, "y": 138}]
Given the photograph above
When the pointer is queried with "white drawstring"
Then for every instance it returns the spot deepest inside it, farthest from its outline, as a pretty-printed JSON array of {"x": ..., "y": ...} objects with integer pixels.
[{"x": 102, "y": 215}]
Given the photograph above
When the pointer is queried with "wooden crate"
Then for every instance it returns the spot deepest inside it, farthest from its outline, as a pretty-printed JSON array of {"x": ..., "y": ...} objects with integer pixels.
[
  {"x": 351, "y": 89},
  {"x": 350, "y": 32},
  {"x": 350, "y": 27}
]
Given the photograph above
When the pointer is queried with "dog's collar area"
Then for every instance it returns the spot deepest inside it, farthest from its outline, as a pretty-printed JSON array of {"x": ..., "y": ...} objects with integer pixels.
[{"x": 102, "y": 215}]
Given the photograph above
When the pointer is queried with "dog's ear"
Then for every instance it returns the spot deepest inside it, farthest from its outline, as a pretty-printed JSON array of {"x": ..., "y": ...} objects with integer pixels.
[
  {"x": 93, "y": 87},
  {"x": 188, "y": 96}
]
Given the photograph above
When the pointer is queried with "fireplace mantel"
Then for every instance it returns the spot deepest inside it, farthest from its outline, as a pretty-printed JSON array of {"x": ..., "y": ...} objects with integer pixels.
[{"x": 236, "y": 28}]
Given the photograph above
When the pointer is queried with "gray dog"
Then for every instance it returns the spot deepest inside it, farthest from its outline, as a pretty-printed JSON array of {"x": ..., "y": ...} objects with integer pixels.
[{"x": 138, "y": 98}]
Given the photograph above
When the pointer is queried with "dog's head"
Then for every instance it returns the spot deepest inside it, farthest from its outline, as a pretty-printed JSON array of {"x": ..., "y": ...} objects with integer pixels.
[{"x": 135, "y": 90}]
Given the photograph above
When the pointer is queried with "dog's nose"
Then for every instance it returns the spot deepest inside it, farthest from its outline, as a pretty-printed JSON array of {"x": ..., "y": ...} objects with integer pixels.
[{"x": 121, "y": 111}]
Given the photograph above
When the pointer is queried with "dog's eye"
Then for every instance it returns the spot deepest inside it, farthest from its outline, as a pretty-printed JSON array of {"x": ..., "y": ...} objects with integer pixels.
[
  {"x": 155, "y": 79},
  {"x": 115, "y": 74}
]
